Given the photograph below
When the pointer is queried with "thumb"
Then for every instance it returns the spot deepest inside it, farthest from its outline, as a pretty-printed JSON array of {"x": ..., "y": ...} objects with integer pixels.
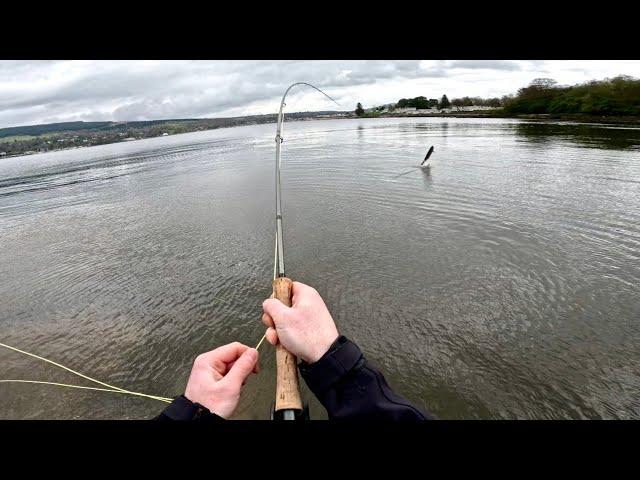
[
  {"x": 275, "y": 309},
  {"x": 243, "y": 366}
]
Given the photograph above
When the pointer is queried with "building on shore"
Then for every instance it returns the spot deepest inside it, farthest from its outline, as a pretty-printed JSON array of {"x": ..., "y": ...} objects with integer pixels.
[
  {"x": 408, "y": 110},
  {"x": 470, "y": 108},
  {"x": 426, "y": 111}
]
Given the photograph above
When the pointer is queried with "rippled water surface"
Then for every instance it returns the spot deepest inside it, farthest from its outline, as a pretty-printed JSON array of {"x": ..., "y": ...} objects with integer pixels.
[{"x": 504, "y": 282}]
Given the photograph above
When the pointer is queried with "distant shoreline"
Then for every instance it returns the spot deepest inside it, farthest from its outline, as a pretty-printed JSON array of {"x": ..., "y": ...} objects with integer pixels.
[
  {"x": 578, "y": 118},
  {"x": 632, "y": 121}
]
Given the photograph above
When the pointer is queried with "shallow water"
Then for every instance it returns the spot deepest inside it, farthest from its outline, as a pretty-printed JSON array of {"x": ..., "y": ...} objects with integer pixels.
[{"x": 503, "y": 282}]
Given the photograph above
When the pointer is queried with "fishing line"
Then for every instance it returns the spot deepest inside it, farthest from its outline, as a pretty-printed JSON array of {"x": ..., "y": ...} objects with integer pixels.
[
  {"x": 111, "y": 388},
  {"x": 161, "y": 399},
  {"x": 261, "y": 340},
  {"x": 405, "y": 173},
  {"x": 278, "y": 262},
  {"x": 278, "y": 258}
]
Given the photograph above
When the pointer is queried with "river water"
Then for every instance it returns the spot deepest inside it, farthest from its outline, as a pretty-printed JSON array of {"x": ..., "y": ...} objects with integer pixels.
[{"x": 503, "y": 282}]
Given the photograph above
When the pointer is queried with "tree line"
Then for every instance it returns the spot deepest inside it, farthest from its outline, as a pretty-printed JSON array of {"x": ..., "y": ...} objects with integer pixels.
[
  {"x": 424, "y": 103},
  {"x": 444, "y": 102},
  {"x": 612, "y": 96}
]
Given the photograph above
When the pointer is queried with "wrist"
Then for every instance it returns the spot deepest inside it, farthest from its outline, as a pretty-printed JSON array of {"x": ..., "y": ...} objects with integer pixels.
[
  {"x": 321, "y": 349},
  {"x": 189, "y": 395},
  {"x": 340, "y": 360},
  {"x": 182, "y": 408}
]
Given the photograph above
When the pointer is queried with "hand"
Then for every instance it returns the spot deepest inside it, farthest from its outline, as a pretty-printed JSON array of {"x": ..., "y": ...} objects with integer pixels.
[
  {"x": 305, "y": 329},
  {"x": 218, "y": 376}
]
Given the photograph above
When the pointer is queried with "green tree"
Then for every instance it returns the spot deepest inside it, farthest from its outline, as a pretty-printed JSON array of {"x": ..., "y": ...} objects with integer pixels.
[
  {"x": 444, "y": 102},
  {"x": 611, "y": 96},
  {"x": 535, "y": 98},
  {"x": 359, "y": 110},
  {"x": 543, "y": 83},
  {"x": 421, "y": 102}
]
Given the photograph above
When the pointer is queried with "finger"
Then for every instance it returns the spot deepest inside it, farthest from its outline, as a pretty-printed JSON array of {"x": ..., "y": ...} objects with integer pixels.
[
  {"x": 243, "y": 367},
  {"x": 272, "y": 336},
  {"x": 225, "y": 354},
  {"x": 301, "y": 291},
  {"x": 275, "y": 309},
  {"x": 267, "y": 320}
]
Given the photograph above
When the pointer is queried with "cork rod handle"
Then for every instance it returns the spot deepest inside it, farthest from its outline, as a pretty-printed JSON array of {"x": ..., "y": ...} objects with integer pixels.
[{"x": 287, "y": 389}]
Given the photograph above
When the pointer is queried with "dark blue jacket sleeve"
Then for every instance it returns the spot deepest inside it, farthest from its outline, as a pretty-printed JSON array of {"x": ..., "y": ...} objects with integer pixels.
[
  {"x": 349, "y": 387},
  {"x": 184, "y": 409}
]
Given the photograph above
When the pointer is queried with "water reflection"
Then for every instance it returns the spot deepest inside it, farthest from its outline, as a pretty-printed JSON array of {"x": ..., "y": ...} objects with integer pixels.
[
  {"x": 426, "y": 175},
  {"x": 591, "y": 136}
]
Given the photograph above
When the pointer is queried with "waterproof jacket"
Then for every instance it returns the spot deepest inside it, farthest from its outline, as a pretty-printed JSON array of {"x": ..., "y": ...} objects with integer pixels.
[{"x": 344, "y": 382}]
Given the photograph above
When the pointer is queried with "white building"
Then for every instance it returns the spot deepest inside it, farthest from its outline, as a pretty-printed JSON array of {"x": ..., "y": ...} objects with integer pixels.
[
  {"x": 471, "y": 108},
  {"x": 412, "y": 110},
  {"x": 406, "y": 110}
]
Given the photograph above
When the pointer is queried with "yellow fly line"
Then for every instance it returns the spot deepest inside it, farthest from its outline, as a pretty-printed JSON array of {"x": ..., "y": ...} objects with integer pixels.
[
  {"x": 277, "y": 261},
  {"x": 111, "y": 388},
  {"x": 123, "y": 392}
]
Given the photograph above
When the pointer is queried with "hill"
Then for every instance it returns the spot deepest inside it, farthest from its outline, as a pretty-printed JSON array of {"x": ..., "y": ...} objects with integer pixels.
[{"x": 55, "y": 136}]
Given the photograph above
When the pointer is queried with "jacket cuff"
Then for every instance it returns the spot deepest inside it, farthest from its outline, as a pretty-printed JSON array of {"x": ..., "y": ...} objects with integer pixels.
[
  {"x": 184, "y": 409},
  {"x": 338, "y": 361}
]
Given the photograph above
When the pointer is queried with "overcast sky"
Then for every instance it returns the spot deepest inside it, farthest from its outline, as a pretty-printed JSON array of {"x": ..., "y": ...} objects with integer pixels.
[{"x": 33, "y": 92}]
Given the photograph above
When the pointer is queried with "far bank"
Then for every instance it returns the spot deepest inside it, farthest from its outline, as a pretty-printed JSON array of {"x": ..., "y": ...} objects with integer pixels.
[{"x": 578, "y": 118}]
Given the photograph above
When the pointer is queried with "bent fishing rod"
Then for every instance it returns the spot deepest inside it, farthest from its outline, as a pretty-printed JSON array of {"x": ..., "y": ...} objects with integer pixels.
[{"x": 288, "y": 404}]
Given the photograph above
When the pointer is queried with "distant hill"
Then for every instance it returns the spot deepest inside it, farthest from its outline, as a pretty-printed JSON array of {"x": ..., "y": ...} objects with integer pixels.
[
  {"x": 50, "y": 127},
  {"x": 35, "y": 130},
  {"x": 30, "y": 139}
]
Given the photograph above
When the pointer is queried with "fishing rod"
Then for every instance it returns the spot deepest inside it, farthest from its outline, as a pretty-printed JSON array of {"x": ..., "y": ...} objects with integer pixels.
[{"x": 288, "y": 404}]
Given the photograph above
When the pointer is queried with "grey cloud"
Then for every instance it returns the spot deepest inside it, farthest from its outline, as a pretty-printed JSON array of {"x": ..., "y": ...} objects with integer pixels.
[
  {"x": 179, "y": 89},
  {"x": 43, "y": 91},
  {"x": 486, "y": 64}
]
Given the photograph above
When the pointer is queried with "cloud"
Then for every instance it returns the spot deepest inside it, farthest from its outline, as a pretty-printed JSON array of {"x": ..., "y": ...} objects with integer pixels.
[
  {"x": 34, "y": 92},
  {"x": 486, "y": 64}
]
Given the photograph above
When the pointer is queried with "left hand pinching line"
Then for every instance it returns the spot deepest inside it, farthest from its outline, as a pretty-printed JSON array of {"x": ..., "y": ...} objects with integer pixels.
[{"x": 217, "y": 377}]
